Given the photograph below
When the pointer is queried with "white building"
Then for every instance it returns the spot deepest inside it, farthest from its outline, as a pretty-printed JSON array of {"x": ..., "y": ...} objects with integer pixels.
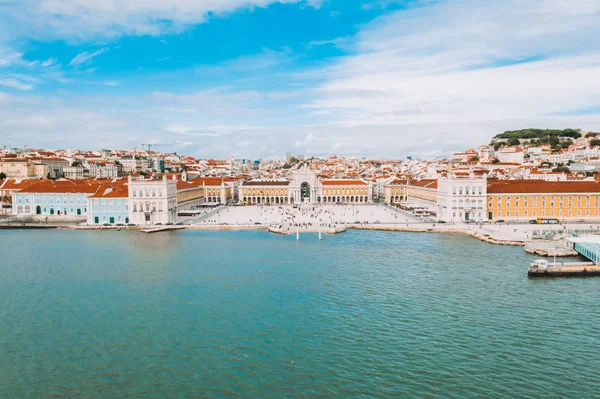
[
  {"x": 134, "y": 164},
  {"x": 510, "y": 154},
  {"x": 75, "y": 172},
  {"x": 105, "y": 169},
  {"x": 152, "y": 201},
  {"x": 462, "y": 197}
]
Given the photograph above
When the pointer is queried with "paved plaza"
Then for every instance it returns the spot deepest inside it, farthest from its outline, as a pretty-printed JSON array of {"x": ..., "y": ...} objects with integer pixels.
[
  {"x": 374, "y": 216},
  {"x": 313, "y": 215}
]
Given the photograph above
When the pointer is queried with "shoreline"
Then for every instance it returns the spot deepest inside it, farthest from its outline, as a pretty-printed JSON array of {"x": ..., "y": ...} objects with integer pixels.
[
  {"x": 437, "y": 229},
  {"x": 481, "y": 237}
]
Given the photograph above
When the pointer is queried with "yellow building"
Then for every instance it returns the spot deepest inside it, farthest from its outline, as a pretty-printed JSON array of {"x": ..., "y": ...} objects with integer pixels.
[
  {"x": 395, "y": 191},
  {"x": 264, "y": 192},
  {"x": 531, "y": 199},
  {"x": 345, "y": 191},
  {"x": 20, "y": 168}
]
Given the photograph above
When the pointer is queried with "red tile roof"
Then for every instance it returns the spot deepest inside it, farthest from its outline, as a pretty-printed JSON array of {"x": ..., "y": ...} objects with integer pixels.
[
  {"x": 541, "y": 187},
  {"x": 345, "y": 182}
]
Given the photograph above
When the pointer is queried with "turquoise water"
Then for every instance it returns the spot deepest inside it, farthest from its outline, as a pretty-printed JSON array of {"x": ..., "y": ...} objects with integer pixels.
[{"x": 250, "y": 315}]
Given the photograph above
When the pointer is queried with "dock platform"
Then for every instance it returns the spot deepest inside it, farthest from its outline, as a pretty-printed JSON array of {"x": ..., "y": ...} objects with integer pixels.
[
  {"x": 164, "y": 228},
  {"x": 543, "y": 268}
]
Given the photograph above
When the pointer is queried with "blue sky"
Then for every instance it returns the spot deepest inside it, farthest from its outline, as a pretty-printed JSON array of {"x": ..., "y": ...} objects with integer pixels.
[{"x": 257, "y": 78}]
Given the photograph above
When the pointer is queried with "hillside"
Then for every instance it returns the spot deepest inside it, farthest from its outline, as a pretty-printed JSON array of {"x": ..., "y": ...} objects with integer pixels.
[{"x": 538, "y": 134}]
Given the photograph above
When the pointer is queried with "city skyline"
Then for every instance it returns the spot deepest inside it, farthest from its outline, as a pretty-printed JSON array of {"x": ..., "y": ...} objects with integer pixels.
[{"x": 218, "y": 79}]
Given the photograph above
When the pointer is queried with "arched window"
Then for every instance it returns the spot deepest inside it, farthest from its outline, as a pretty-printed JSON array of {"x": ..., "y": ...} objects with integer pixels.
[{"x": 460, "y": 190}]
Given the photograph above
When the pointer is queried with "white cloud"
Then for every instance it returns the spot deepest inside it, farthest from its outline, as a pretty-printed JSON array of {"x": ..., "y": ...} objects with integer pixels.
[
  {"x": 15, "y": 84},
  {"x": 49, "y": 62},
  {"x": 10, "y": 57},
  {"x": 80, "y": 19},
  {"x": 84, "y": 57},
  {"x": 467, "y": 63}
]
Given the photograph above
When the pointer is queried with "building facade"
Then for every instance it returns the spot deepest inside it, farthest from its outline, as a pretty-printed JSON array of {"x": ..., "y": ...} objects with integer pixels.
[
  {"x": 23, "y": 169},
  {"x": 75, "y": 172},
  {"x": 152, "y": 201},
  {"x": 53, "y": 198},
  {"x": 105, "y": 169},
  {"x": 461, "y": 197},
  {"x": 305, "y": 188},
  {"x": 108, "y": 205},
  {"x": 532, "y": 199}
]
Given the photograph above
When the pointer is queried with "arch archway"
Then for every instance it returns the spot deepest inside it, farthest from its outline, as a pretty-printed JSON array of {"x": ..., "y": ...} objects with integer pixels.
[{"x": 305, "y": 192}]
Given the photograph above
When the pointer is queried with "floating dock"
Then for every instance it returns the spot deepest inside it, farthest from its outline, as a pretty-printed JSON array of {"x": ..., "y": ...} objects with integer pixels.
[
  {"x": 159, "y": 229},
  {"x": 543, "y": 268}
]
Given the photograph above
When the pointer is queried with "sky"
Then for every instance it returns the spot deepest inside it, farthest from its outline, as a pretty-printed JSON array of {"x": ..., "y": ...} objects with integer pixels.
[{"x": 259, "y": 78}]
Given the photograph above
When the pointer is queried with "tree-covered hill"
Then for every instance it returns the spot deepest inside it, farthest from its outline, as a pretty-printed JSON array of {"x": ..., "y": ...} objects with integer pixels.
[{"x": 538, "y": 134}]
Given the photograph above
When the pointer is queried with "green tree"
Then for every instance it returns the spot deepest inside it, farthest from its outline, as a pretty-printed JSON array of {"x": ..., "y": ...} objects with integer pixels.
[
  {"x": 588, "y": 135},
  {"x": 2, "y": 175},
  {"x": 495, "y": 161},
  {"x": 497, "y": 145},
  {"x": 595, "y": 142},
  {"x": 514, "y": 141},
  {"x": 561, "y": 169}
]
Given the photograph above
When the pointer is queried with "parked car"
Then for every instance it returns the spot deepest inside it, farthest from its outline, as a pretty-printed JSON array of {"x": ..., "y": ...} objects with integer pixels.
[
  {"x": 106, "y": 224},
  {"x": 130, "y": 224},
  {"x": 500, "y": 221},
  {"x": 179, "y": 224},
  {"x": 533, "y": 221}
]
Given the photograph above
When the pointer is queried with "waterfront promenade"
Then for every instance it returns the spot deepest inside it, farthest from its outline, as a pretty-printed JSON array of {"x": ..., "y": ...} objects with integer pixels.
[
  {"x": 376, "y": 217},
  {"x": 327, "y": 217}
]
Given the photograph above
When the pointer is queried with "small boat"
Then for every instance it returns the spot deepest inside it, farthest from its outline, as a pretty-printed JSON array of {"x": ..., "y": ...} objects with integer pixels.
[{"x": 543, "y": 268}]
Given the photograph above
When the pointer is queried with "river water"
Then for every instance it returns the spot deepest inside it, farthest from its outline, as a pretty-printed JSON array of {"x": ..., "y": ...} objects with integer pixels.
[{"x": 246, "y": 314}]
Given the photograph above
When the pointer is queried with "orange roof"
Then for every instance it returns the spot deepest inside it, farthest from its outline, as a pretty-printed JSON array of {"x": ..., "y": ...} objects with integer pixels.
[
  {"x": 63, "y": 186},
  {"x": 346, "y": 182},
  {"x": 541, "y": 187},
  {"x": 111, "y": 192},
  {"x": 17, "y": 184},
  {"x": 424, "y": 183}
]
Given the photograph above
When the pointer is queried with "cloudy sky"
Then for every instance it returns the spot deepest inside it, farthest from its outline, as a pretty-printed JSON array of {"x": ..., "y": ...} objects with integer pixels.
[{"x": 257, "y": 78}]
